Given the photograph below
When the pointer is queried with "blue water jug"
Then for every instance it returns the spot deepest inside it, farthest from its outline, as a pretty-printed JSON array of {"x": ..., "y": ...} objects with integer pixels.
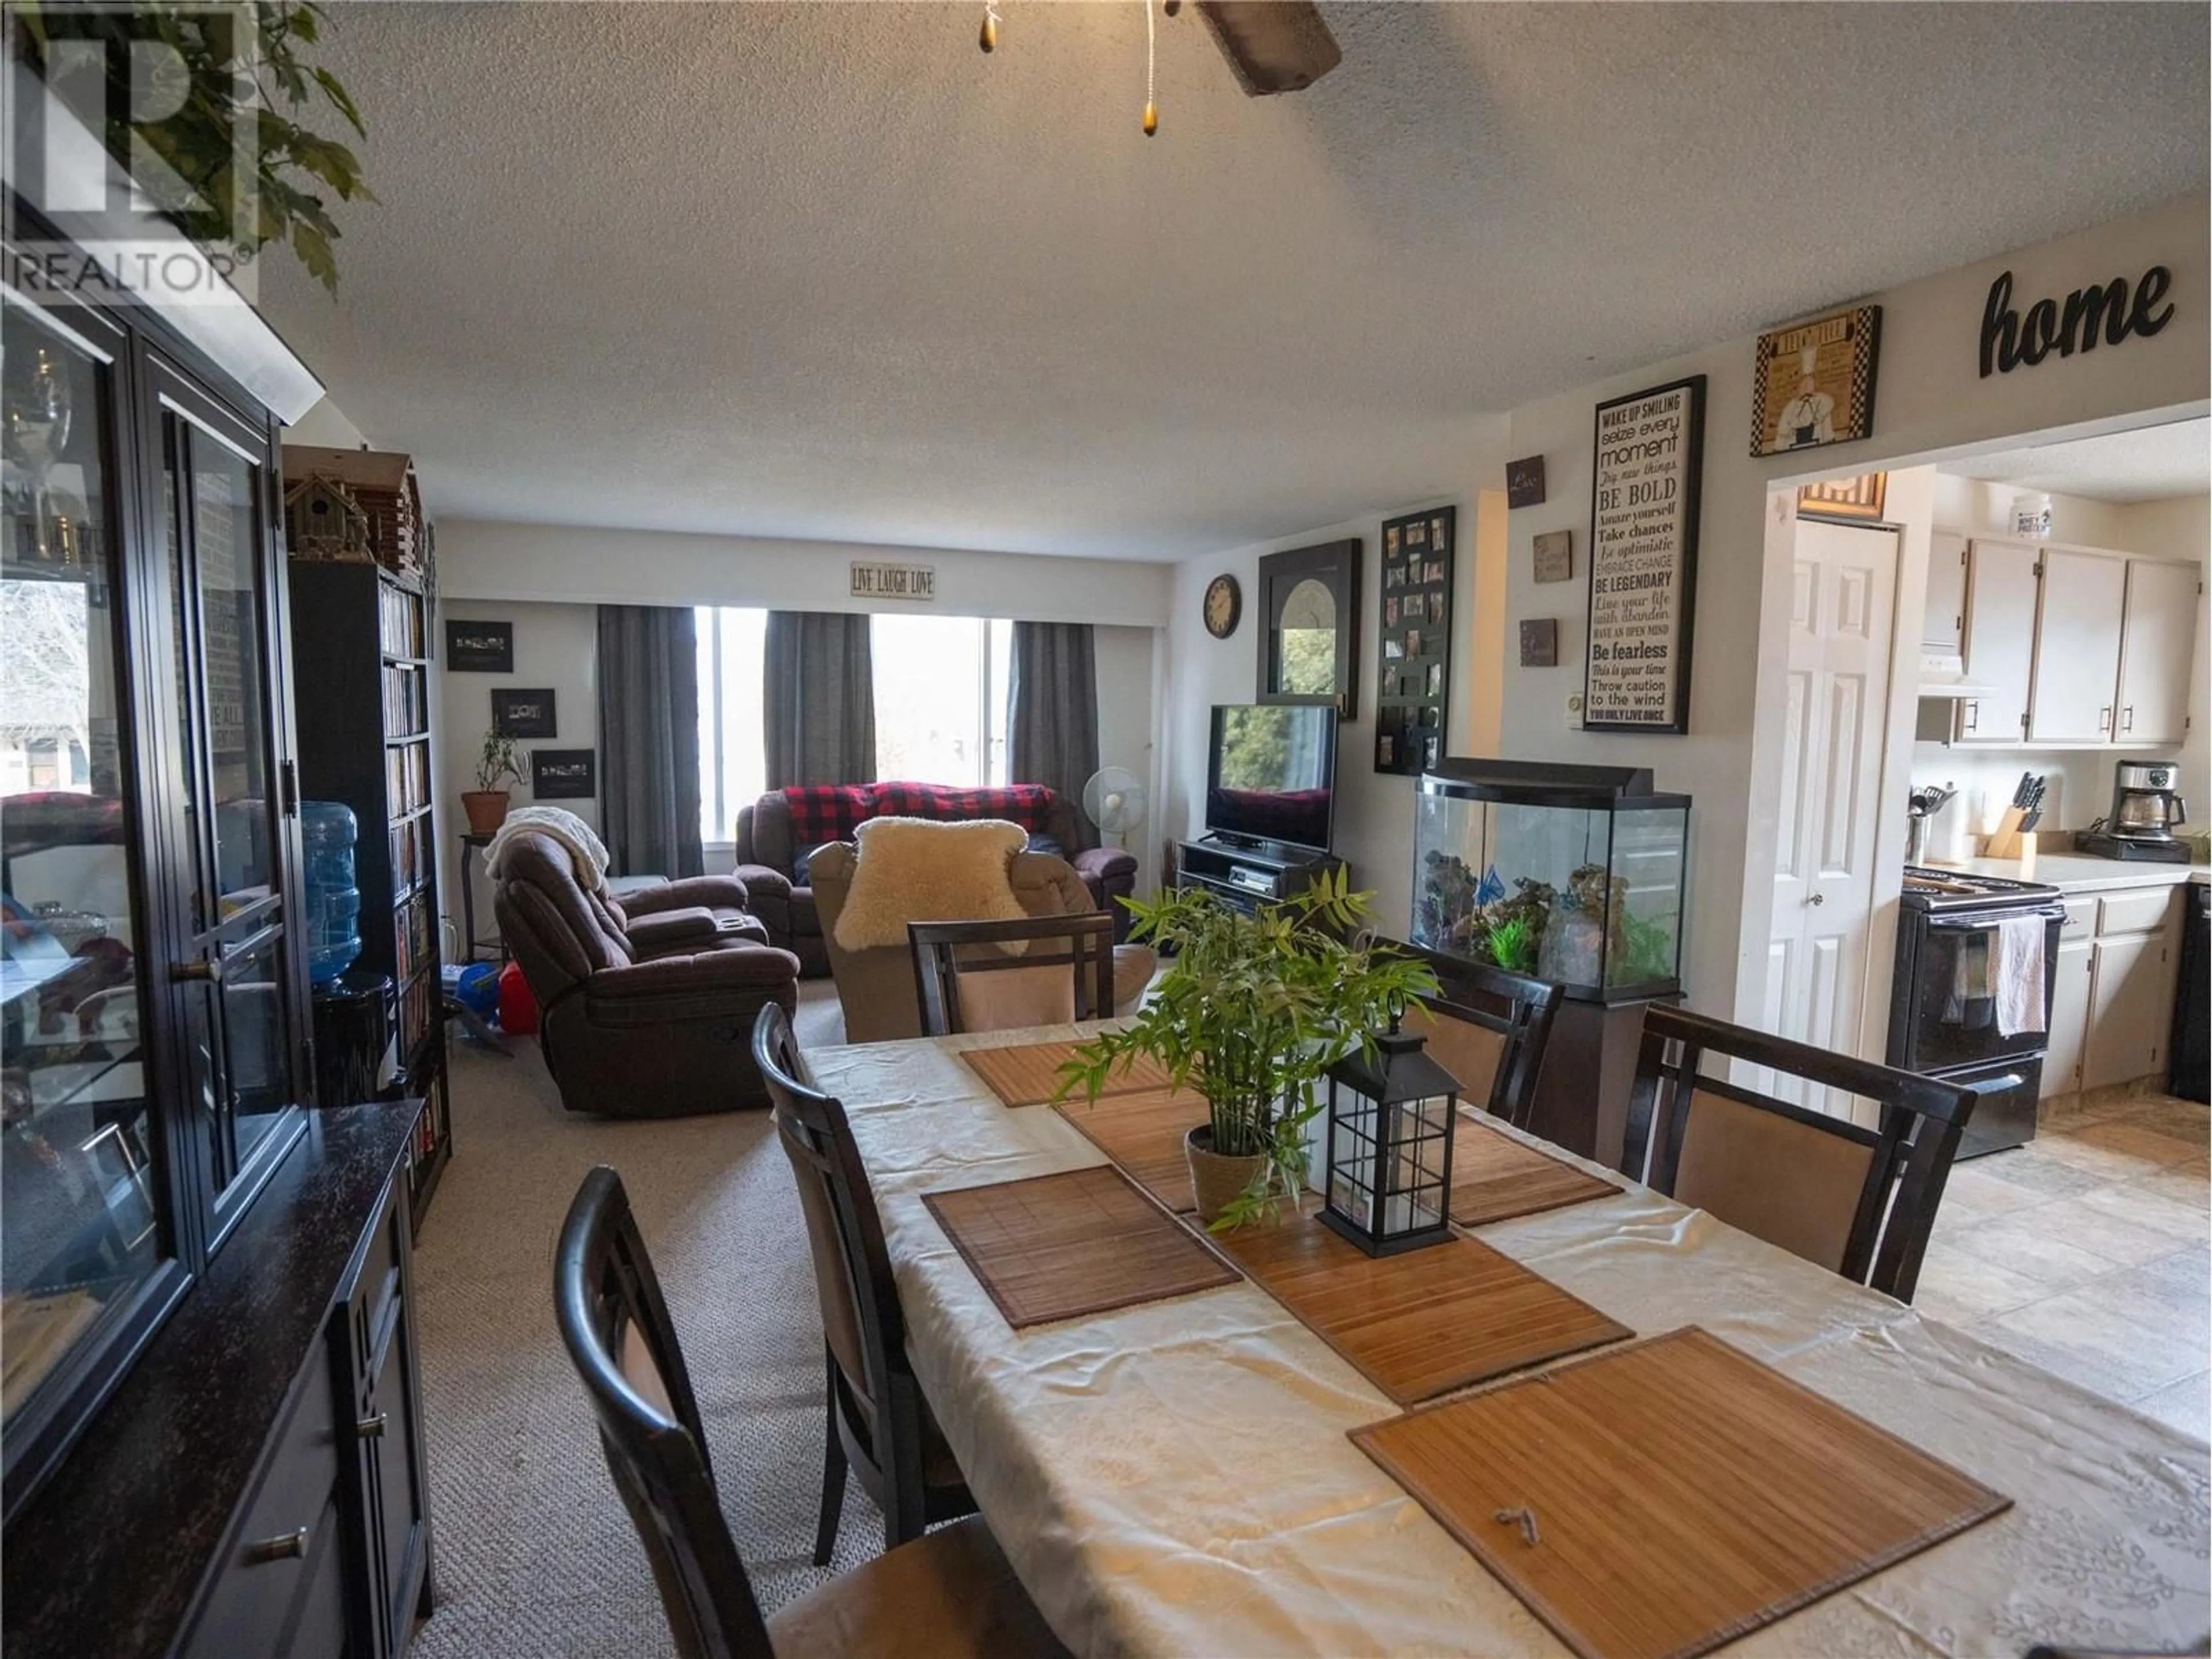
[{"x": 327, "y": 830}]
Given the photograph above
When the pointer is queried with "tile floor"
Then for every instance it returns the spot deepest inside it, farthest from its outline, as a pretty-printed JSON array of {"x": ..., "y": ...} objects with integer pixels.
[{"x": 2089, "y": 1252}]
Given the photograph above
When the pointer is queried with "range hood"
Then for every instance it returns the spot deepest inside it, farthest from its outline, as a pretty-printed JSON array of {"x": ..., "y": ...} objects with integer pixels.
[{"x": 1943, "y": 675}]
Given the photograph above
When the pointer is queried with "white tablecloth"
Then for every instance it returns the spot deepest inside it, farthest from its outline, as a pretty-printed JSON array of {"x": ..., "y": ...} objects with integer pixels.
[{"x": 1175, "y": 1479}]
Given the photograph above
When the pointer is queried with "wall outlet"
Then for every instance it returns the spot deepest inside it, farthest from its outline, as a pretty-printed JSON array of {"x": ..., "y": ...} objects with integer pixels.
[{"x": 1574, "y": 711}]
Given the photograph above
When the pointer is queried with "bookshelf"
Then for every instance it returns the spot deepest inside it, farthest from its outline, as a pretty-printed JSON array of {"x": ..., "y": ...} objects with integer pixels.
[{"x": 361, "y": 635}]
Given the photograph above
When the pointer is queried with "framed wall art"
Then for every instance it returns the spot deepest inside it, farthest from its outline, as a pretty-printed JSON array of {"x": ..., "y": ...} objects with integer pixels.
[
  {"x": 1814, "y": 382},
  {"x": 564, "y": 775},
  {"x": 1644, "y": 559},
  {"x": 1555, "y": 555},
  {"x": 480, "y": 647},
  {"x": 1854, "y": 501},
  {"x": 1309, "y": 626},
  {"x": 520, "y": 713},
  {"x": 1524, "y": 482},
  {"x": 1414, "y": 684}
]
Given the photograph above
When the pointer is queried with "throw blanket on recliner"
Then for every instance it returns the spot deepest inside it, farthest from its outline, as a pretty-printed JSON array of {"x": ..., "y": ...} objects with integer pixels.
[
  {"x": 914, "y": 869},
  {"x": 555, "y": 823}
]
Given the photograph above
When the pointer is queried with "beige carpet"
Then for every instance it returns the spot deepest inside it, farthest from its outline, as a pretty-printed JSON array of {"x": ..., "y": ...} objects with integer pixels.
[{"x": 533, "y": 1551}]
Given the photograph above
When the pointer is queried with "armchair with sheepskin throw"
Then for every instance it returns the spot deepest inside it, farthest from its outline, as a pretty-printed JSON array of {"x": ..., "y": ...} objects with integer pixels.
[{"x": 875, "y": 982}]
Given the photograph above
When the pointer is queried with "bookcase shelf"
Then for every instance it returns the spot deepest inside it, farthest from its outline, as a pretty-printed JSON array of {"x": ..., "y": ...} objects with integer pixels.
[{"x": 364, "y": 740}]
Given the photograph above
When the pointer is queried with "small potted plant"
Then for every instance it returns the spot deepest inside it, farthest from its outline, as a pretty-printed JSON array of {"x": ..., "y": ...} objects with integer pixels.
[
  {"x": 497, "y": 767},
  {"x": 1254, "y": 1009}
]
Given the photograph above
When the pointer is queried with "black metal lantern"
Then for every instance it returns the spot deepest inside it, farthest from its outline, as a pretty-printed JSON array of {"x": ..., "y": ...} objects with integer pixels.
[{"x": 1390, "y": 1147}]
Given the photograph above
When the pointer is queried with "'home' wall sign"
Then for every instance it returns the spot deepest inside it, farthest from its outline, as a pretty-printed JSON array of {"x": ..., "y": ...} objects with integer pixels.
[{"x": 2010, "y": 338}]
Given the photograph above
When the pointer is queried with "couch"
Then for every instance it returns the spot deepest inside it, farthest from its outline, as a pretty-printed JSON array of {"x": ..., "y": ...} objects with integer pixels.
[
  {"x": 646, "y": 1005},
  {"x": 876, "y": 988},
  {"x": 779, "y": 831}
]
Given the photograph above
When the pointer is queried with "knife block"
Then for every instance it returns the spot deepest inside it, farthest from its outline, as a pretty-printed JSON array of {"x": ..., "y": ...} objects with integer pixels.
[{"x": 2006, "y": 841}]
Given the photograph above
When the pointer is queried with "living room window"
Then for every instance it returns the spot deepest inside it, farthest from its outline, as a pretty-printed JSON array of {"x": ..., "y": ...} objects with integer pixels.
[
  {"x": 732, "y": 724},
  {"x": 941, "y": 698}
]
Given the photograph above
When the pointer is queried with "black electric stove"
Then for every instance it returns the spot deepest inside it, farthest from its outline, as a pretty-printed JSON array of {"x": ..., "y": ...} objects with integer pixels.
[{"x": 1932, "y": 1030}]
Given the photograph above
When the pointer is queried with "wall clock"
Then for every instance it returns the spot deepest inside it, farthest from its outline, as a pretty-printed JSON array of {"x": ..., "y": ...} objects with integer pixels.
[{"x": 1225, "y": 604}]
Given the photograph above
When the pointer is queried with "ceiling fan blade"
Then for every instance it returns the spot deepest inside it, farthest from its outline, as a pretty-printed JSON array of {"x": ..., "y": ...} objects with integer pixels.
[{"x": 1274, "y": 45}]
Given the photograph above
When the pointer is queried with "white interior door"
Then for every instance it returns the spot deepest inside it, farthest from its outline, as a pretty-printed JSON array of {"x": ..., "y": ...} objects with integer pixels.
[{"x": 1843, "y": 606}]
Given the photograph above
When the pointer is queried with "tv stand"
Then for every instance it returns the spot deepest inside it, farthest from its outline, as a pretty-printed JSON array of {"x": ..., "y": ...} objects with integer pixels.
[{"x": 1247, "y": 873}]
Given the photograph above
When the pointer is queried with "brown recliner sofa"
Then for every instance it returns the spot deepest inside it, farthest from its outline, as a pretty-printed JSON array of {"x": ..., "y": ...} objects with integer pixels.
[
  {"x": 876, "y": 988},
  {"x": 770, "y": 847},
  {"x": 646, "y": 1006}
]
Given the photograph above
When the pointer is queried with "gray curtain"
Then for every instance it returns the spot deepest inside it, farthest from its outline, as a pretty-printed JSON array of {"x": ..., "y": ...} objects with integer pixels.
[
  {"x": 820, "y": 702},
  {"x": 649, "y": 739},
  {"x": 1052, "y": 713}
]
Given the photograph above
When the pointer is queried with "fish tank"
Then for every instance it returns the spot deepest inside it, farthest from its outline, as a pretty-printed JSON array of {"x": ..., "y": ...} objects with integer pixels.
[{"x": 1568, "y": 873}]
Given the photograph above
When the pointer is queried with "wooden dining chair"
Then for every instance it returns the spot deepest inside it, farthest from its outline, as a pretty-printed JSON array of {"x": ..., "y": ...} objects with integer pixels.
[
  {"x": 1486, "y": 1023},
  {"x": 879, "y": 1425},
  {"x": 965, "y": 982},
  {"x": 950, "y": 1594},
  {"x": 1857, "y": 1202}
]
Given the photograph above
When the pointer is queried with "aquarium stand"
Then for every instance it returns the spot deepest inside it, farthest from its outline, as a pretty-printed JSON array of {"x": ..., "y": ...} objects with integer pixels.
[{"x": 1250, "y": 873}]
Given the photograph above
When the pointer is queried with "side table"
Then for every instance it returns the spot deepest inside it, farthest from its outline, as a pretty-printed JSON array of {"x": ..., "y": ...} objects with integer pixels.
[{"x": 473, "y": 948}]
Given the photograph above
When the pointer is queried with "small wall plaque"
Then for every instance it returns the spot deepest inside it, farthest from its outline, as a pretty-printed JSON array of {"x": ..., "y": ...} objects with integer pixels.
[
  {"x": 1524, "y": 482},
  {"x": 480, "y": 647},
  {"x": 564, "y": 775},
  {"x": 893, "y": 581},
  {"x": 1540, "y": 643},
  {"x": 518, "y": 714},
  {"x": 1555, "y": 557}
]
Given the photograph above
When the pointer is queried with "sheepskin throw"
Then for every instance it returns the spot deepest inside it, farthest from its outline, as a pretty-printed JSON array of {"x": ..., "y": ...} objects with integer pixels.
[{"x": 913, "y": 870}]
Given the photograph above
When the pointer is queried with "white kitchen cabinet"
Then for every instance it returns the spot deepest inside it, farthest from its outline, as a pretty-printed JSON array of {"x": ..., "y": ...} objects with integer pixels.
[
  {"x": 2070, "y": 1018},
  {"x": 2001, "y": 604},
  {"x": 2158, "y": 638},
  {"x": 1943, "y": 622},
  {"x": 2077, "y": 649},
  {"x": 2131, "y": 987}
]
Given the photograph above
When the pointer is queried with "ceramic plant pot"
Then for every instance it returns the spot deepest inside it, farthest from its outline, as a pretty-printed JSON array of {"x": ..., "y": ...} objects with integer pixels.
[
  {"x": 487, "y": 810},
  {"x": 1215, "y": 1178}
]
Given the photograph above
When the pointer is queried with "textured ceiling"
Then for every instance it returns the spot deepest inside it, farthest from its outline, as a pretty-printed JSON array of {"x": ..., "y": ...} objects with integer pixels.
[
  {"x": 2153, "y": 464},
  {"x": 824, "y": 270}
]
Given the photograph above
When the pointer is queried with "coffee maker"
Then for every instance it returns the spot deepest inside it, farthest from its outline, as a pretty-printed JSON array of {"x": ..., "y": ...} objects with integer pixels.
[{"x": 2147, "y": 808}]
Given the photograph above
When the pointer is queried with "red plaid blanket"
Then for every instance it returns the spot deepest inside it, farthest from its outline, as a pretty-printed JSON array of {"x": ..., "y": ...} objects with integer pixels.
[{"x": 831, "y": 811}]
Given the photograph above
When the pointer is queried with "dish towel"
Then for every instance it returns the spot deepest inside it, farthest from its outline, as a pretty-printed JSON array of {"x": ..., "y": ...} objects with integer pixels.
[
  {"x": 2017, "y": 975},
  {"x": 557, "y": 823}
]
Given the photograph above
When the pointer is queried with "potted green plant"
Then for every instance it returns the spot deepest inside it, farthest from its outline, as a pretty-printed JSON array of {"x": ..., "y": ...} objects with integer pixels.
[
  {"x": 498, "y": 766},
  {"x": 1254, "y": 1010}
]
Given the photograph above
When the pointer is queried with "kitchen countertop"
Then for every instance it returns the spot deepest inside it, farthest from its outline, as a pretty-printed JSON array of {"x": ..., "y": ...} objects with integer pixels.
[{"x": 2077, "y": 873}]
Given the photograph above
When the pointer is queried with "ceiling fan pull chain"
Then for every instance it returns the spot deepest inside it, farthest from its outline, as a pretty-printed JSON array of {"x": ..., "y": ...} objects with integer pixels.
[
  {"x": 987, "y": 36},
  {"x": 1151, "y": 56}
]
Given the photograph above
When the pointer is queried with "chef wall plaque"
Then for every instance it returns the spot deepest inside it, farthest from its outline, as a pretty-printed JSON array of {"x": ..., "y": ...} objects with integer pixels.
[{"x": 1815, "y": 382}]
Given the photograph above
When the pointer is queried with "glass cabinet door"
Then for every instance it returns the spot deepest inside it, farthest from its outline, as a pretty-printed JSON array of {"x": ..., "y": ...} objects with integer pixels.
[
  {"x": 234, "y": 970},
  {"x": 84, "y": 1216}
]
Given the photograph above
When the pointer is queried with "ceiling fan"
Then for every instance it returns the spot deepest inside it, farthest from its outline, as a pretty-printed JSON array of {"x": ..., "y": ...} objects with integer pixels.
[{"x": 1272, "y": 46}]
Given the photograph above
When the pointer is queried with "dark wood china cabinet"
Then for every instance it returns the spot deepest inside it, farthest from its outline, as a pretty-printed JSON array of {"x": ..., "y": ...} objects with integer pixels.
[{"x": 210, "y": 1414}]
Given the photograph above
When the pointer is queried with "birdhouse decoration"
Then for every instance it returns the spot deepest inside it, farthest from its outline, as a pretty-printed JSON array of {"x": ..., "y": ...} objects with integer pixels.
[
  {"x": 381, "y": 483},
  {"x": 1390, "y": 1147},
  {"x": 323, "y": 521}
]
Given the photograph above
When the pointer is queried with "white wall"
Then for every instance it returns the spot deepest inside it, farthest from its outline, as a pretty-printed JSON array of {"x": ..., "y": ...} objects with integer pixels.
[
  {"x": 1931, "y": 406},
  {"x": 481, "y": 558},
  {"x": 1374, "y": 810},
  {"x": 556, "y": 646}
]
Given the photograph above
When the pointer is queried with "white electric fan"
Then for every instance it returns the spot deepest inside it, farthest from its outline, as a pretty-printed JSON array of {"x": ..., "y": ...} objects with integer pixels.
[{"x": 1115, "y": 801}]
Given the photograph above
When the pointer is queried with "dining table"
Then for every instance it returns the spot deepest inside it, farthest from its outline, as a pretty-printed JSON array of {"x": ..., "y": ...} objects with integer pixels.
[{"x": 1175, "y": 1478}]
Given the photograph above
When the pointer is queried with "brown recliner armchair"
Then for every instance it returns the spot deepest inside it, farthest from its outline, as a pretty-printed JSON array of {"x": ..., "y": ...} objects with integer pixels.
[
  {"x": 876, "y": 988},
  {"x": 646, "y": 1008}
]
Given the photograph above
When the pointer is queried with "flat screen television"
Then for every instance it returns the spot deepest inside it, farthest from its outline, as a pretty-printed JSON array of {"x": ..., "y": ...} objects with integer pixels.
[{"x": 1271, "y": 773}]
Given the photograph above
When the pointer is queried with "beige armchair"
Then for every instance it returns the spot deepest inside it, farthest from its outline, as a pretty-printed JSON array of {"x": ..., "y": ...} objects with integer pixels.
[{"x": 876, "y": 987}]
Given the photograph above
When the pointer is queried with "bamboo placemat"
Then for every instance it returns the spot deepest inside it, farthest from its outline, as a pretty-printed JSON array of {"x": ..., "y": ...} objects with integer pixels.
[
  {"x": 1496, "y": 1178},
  {"x": 1683, "y": 1494},
  {"x": 1029, "y": 1074},
  {"x": 1423, "y": 1323},
  {"x": 1082, "y": 1241},
  {"x": 1144, "y": 1133}
]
